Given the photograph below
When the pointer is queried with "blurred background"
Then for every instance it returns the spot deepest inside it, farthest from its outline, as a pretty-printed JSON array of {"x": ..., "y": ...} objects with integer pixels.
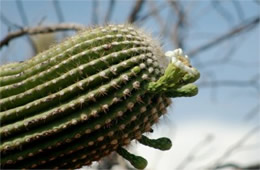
[{"x": 218, "y": 128}]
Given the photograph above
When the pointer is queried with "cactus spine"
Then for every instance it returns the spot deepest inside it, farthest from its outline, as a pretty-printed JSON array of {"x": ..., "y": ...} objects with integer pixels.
[{"x": 87, "y": 97}]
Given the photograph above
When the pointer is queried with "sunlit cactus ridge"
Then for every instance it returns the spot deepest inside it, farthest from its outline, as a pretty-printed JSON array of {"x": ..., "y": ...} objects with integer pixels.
[{"x": 87, "y": 97}]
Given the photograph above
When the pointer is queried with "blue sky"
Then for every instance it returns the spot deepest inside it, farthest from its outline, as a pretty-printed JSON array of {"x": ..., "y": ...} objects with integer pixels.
[{"x": 220, "y": 111}]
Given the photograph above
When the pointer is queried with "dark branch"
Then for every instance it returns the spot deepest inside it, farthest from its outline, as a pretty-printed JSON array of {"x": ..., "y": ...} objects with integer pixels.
[
  {"x": 252, "y": 167},
  {"x": 58, "y": 11},
  {"x": 239, "y": 9},
  {"x": 59, "y": 14},
  {"x": 156, "y": 15},
  {"x": 40, "y": 30},
  {"x": 236, "y": 166},
  {"x": 234, "y": 147},
  {"x": 7, "y": 22},
  {"x": 221, "y": 10},
  {"x": 137, "y": 8},
  {"x": 25, "y": 22},
  {"x": 22, "y": 12},
  {"x": 194, "y": 151},
  {"x": 245, "y": 26},
  {"x": 230, "y": 83},
  {"x": 95, "y": 5},
  {"x": 151, "y": 13},
  {"x": 109, "y": 11},
  {"x": 253, "y": 112},
  {"x": 177, "y": 33}
]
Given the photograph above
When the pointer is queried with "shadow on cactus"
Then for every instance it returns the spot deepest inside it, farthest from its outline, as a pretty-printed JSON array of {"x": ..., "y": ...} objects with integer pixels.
[{"x": 87, "y": 97}]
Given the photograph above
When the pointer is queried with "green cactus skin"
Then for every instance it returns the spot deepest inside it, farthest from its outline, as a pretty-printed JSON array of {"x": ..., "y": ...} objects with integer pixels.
[
  {"x": 161, "y": 143},
  {"x": 87, "y": 97}
]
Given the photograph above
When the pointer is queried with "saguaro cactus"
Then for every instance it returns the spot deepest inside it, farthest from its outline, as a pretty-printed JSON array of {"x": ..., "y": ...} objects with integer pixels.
[{"x": 87, "y": 97}]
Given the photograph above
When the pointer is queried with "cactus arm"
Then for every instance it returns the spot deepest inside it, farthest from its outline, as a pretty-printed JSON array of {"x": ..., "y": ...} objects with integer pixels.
[
  {"x": 161, "y": 143},
  {"x": 187, "y": 90},
  {"x": 137, "y": 161}
]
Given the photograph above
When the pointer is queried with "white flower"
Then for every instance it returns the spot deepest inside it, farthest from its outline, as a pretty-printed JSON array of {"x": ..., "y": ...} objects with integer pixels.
[{"x": 180, "y": 60}]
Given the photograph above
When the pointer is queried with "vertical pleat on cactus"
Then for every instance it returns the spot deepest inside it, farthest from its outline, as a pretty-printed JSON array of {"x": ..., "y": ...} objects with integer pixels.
[{"x": 87, "y": 97}]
